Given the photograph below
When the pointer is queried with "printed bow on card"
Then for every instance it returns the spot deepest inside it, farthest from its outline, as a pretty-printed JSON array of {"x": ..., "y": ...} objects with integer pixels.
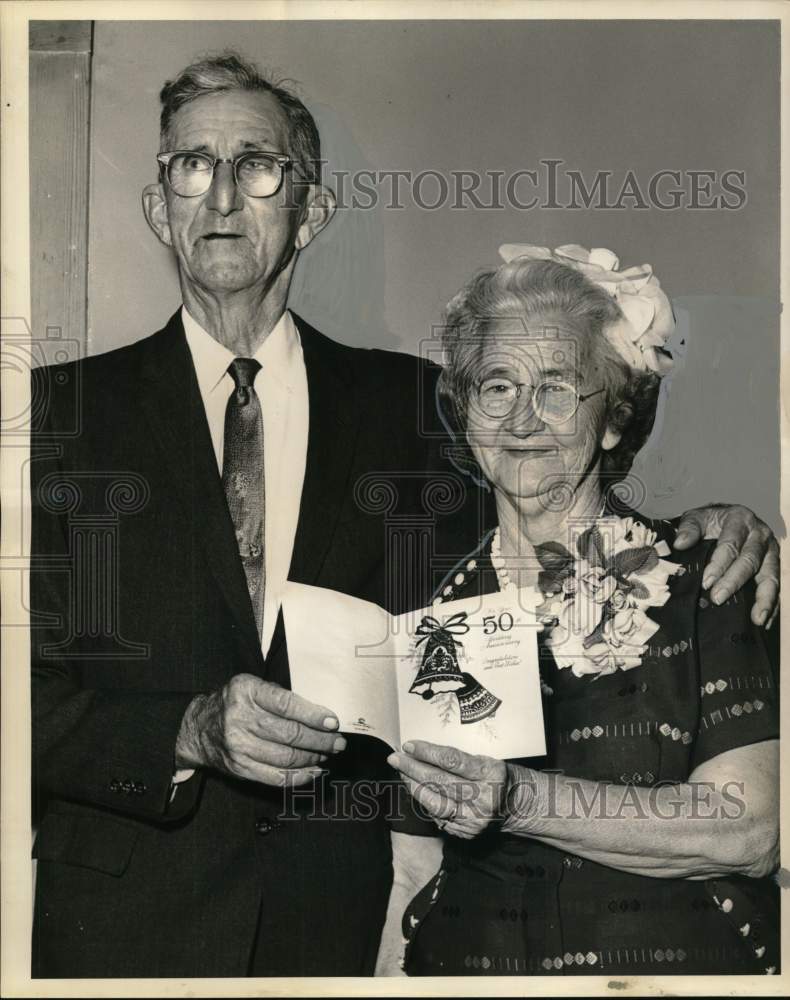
[{"x": 454, "y": 626}]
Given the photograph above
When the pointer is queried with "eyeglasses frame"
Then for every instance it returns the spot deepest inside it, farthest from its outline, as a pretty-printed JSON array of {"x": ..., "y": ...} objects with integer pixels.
[
  {"x": 581, "y": 398},
  {"x": 284, "y": 162}
]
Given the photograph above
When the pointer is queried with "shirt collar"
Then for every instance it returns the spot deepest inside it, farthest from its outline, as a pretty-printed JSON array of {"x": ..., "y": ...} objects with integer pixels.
[{"x": 279, "y": 354}]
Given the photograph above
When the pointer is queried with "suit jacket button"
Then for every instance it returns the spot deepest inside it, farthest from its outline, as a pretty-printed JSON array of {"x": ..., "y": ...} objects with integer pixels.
[
  {"x": 115, "y": 785},
  {"x": 126, "y": 787},
  {"x": 263, "y": 826},
  {"x": 139, "y": 788}
]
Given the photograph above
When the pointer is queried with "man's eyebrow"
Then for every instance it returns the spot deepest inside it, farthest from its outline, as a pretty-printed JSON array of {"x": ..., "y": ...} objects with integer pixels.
[{"x": 262, "y": 144}]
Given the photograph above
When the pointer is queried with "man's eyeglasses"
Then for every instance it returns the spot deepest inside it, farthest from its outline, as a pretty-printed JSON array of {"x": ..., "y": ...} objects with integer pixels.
[
  {"x": 258, "y": 174},
  {"x": 553, "y": 400}
]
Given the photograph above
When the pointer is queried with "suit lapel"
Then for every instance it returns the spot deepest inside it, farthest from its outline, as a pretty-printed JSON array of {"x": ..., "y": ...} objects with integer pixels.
[
  {"x": 170, "y": 397},
  {"x": 331, "y": 445}
]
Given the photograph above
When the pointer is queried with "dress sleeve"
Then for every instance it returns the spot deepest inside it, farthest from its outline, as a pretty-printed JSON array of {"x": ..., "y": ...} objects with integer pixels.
[
  {"x": 739, "y": 698},
  {"x": 406, "y": 816}
]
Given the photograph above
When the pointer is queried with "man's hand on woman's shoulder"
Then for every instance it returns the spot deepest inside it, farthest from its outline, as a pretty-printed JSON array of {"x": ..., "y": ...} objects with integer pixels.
[{"x": 746, "y": 547}]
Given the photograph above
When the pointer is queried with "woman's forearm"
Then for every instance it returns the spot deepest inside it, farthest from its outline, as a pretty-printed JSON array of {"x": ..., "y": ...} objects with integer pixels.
[
  {"x": 391, "y": 945},
  {"x": 703, "y": 828},
  {"x": 415, "y": 860}
]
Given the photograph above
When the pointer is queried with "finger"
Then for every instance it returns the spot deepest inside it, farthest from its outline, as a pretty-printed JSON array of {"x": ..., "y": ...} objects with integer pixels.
[
  {"x": 466, "y": 818},
  {"x": 734, "y": 516},
  {"x": 450, "y": 816},
  {"x": 291, "y": 733},
  {"x": 461, "y": 834},
  {"x": 449, "y": 759},
  {"x": 728, "y": 548},
  {"x": 292, "y": 778},
  {"x": 691, "y": 528},
  {"x": 241, "y": 748},
  {"x": 265, "y": 774},
  {"x": 766, "y": 597},
  {"x": 419, "y": 771},
  {"x": 433, "y": 798},
  {"x": 742, "y": 569},
  {"x": 450, "y": 795},
  {"x": 766, "y": 604},
  {"x": 282, "y": 756},
  {"x": 463, "y": 829},
  {"x": 280, "y": 701}
]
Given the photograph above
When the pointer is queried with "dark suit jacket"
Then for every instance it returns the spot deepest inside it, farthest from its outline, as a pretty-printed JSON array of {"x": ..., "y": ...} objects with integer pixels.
[{"x": 139, "y": 602}]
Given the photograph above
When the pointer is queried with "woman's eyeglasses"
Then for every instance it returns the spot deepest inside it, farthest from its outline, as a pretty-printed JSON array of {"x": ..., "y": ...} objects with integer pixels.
[
  {"x": 553, "y": 400},
  {"x": 258, "y": 174}
]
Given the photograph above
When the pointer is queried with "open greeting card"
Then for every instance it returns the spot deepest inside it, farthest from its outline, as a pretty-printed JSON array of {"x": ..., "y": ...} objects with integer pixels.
[{"x": 464, "y": 674}]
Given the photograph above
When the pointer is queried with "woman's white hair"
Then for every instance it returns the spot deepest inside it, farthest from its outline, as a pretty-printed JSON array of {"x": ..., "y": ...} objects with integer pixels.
[{"x": 550, "y": 294}]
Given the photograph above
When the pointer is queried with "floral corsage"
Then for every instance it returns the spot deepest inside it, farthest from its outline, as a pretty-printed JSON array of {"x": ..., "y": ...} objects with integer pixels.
[{"x": 598, "y": 594}]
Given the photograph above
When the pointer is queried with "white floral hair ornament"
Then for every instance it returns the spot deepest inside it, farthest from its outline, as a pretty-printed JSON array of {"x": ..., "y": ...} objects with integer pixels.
[{"x": 640, "y": 338}]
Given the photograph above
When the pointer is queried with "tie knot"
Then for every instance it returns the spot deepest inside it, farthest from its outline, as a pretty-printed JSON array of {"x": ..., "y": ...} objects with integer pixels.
[{"x": 243, "y": 372}]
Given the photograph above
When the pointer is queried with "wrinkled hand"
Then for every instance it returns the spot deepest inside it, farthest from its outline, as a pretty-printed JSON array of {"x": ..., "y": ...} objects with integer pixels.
[
  {"x": 257, "y": 730},
  {"x": 461, "y": 792},
  {"x": 746, "y": 548}
]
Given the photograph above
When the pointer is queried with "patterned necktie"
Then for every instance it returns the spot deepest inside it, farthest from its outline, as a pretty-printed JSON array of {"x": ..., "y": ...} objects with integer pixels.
[{"x": 242, "y": 476}]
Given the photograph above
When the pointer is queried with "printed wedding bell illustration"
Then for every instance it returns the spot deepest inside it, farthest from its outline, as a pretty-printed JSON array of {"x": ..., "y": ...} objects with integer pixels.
[{"x": 440, "y": 672}]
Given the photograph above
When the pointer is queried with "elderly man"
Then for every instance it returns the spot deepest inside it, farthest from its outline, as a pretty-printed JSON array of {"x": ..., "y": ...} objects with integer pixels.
[{"x": 171, "y": 760}]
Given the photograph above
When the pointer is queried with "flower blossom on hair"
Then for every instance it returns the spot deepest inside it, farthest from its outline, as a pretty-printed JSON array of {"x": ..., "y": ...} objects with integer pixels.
[{"x": 641, "y": 336}]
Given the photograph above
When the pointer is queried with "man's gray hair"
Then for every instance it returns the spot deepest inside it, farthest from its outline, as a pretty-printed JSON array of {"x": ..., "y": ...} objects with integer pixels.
[{"x": 230, "y": 71}]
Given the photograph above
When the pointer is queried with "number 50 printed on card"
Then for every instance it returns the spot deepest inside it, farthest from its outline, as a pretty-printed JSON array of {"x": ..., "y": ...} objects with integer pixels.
[{"x": 463, "y": 673}]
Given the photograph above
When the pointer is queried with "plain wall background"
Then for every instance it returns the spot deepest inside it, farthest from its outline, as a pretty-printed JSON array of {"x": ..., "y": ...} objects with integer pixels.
[{"x": 448, "y": 96}]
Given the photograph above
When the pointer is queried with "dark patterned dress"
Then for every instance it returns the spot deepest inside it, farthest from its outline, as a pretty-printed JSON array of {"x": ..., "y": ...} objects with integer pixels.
[{"x": 510, "y": 905}]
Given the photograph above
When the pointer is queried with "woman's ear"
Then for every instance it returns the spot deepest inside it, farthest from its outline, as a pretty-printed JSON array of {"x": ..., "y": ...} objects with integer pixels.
[
  {"x": 618, "y": 420},
  {"x": 611, "y": 438}
]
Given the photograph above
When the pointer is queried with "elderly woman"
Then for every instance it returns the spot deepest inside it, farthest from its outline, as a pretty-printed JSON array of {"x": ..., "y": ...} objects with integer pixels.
[{"x": 644, "y": 841}]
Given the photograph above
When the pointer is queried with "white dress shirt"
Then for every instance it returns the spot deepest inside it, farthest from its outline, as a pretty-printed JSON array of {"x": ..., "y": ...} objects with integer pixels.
[{"x": 281, "y": 385}]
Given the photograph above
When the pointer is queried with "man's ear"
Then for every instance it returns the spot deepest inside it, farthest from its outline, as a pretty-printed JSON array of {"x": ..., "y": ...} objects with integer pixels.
[
  {"x": 320, "y": 205},
  {"x": 155, "y": 211}
]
